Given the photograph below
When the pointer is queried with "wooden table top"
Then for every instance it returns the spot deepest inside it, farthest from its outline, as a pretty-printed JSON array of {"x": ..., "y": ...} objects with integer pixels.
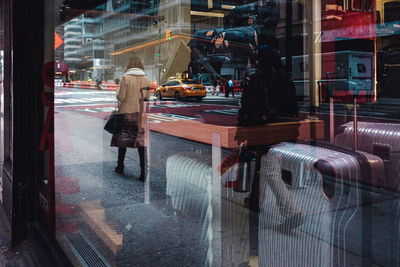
[{"x": 267, "y": 134}]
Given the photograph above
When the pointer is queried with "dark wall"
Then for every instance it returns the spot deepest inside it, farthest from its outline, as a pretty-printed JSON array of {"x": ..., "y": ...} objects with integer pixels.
[{"x": 27, "y": 86}]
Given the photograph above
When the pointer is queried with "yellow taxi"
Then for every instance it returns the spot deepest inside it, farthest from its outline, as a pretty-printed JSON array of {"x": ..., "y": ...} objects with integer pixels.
[{"x": 181, "y": 88}]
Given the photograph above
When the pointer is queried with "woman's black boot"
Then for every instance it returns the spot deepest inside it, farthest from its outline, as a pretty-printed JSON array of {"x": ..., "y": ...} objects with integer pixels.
[
  {"x": 119, "y": 169},
  {"x": 121, "y": 157}
]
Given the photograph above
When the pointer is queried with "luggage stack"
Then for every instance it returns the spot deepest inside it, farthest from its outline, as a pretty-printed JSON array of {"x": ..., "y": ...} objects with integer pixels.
[{"x": 322, "y": 185}]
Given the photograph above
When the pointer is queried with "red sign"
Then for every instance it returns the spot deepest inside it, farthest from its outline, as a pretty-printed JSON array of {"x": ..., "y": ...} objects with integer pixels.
[{"x": 57, "y": 41}]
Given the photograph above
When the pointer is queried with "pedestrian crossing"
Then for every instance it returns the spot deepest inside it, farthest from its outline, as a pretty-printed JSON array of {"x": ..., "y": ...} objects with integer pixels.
[
  {"x": 229, "y": 111},
  {"x": 84, "y": 100},
  {"x": 85, "y": 97},
  {"x": 151, "y": 117},
  {"x": 96, "y": 109},
  {"x": 159, "y": 118}
]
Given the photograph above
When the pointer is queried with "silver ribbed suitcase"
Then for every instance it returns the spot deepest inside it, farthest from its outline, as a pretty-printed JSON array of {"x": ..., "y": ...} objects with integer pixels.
[
  {"x": 370, "y": 135},
  {"x": 323, "y": 185},
  {"x": 189, "y": 188},
  {"x": 221, "y": 230},
  {"x": 382, "y": 139}
]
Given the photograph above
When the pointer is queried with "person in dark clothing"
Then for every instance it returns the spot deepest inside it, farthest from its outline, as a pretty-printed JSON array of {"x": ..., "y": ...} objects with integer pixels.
[
  {"x": 231, "y": 89},
  {"x": 98, "y": 82},
  {"x": 267, "y": 91},
  {"x": 226, "y": 88}
]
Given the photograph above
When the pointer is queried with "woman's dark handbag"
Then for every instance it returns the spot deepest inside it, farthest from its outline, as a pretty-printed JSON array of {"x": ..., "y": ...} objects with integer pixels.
[
  {"x": 126, "y": 140},
  {"x": 114, "y": 124}
]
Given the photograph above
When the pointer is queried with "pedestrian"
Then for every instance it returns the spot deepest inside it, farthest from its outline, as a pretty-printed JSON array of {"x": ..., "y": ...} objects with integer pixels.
[
  {"x": 98, "y": 83},
  {"x": 134, "y": 90},
  {"x": 226, "y": 88},
  {"x": 218, "y": 87},
  {"x": 230, "y": 84},
  {"x": 214, "y": 84}
]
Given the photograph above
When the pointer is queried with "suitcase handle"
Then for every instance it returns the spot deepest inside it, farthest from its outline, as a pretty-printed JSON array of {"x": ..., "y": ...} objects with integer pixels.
[
  {"x": 328, "y": 178},
  {"x": 332, "y": 122}
]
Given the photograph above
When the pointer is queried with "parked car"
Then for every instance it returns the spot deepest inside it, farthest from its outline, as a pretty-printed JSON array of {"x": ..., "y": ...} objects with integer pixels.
[{"x": 181, "y": 88}]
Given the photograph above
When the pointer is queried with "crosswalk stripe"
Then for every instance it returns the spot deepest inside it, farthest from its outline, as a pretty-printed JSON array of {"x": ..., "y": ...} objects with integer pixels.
[
  {"x": 83, "y": 100},
  {"x": 161, "y": 117}
]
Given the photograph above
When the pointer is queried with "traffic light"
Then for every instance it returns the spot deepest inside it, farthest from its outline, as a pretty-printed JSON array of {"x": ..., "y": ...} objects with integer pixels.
[{"x": 168, "y": 35}]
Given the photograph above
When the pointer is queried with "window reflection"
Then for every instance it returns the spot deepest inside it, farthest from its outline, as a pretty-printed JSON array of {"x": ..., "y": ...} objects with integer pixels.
[{"x": 266, "y": 144}]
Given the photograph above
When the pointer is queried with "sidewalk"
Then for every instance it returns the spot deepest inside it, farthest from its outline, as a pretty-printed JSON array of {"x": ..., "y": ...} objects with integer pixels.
[
  {"x": 25, "y": 254},
  {"x": 8, "y": 256}
]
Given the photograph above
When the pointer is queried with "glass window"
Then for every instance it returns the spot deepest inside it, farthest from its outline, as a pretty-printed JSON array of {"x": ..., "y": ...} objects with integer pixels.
[
  {"x": 171, "y": 83},
  {"x": 288, "y": 158},
  {"x": 188, "y": 81}
]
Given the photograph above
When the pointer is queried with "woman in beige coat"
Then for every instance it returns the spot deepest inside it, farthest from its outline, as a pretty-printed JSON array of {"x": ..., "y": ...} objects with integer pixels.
[{"x": 133, "y": 91}]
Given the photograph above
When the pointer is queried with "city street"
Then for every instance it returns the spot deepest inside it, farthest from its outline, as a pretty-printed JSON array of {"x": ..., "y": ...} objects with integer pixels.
[{"x": 76, "y": 97}]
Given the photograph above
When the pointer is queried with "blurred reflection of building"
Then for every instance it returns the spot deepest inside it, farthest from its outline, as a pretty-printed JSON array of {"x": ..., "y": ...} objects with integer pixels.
[
  {"x": 144, "y": 34},
  {"x": 291, "y": 15},
  {"x": 99, "y": 42},
  {"x": 84, "y": 46},
  {"x": 73, "y": 42}
]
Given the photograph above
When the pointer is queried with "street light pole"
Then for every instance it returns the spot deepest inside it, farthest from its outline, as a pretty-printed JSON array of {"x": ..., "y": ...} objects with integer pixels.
[{"x": 159, "y": 52}]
